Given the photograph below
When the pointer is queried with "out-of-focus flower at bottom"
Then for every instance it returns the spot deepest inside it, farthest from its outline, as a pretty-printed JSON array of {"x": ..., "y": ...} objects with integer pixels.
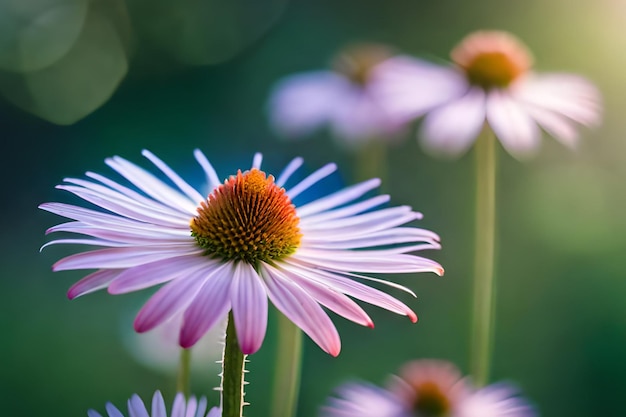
[
  {"x": 427, "y": 388},
  {"x": 158, "y": 349},
  {"x": 180, "y": 408}
]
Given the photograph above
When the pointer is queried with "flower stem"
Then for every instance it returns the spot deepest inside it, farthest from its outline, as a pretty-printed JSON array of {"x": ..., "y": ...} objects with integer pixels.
[
  {"x": 232, "y": 373},
  {"x": 182, "y": 381},
  {"x": 372, "y": 161},
  {"x": 287, "y": 377},
  {"x": 484, "y": 284}
]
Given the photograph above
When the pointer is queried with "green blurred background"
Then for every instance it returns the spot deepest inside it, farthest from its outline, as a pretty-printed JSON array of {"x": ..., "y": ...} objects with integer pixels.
[{"x": 128, "y": 75}]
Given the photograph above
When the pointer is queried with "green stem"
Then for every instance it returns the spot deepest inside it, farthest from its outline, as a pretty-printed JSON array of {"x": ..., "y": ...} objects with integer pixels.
[
  {"x": 232, "y": 373},
  {"x": 372, "y": 161},
  {"x": 182, "y": 381},
  {"x": 287, "y": 377},
  {"x": 484, "y": 284}
]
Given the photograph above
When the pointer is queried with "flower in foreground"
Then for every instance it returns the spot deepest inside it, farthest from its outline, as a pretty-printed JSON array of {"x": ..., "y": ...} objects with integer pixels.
[
  {"x": 490, "y": 82},
  {"x": 180, "y": 408},
  {"x": 244, "y": 243},
  {"x": 427, "y": 388},
  {"x": 340, "y": 98}
]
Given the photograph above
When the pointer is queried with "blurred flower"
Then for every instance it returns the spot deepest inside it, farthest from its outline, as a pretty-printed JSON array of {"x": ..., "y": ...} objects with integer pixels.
[
  {"x": 180, "y": 408},
  {"x": 431, "y": 388},
  {"x": 158, "y": 349},
  {"x": 498, "y": 400},
  {"x": 244, "y": 243},
  {"x": 427, "y": 388},
  {"x": 490, "y": 82},
  {"x": 339, "y": 98},
  {"x": 364, "y": 400}
]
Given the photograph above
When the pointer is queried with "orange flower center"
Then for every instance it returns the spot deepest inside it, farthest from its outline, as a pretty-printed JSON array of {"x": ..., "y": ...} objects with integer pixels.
[
  {"x": 248, "y": 218},
  {"x": 431, "y": 401},
  {"x": 357, "y": 61},
  {"x": 492, "y": 59}
]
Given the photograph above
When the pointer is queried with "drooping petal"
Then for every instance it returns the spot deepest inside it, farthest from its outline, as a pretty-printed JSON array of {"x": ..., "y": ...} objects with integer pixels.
[
  {"x": 93, "y": 282},
  {"x": 452, "y": 128},
  {"x": 169, "y": 300},
  {"x": 249, "y": 303},
  {"x": 517, "y": 132},
  {"x": 566, "y": 94},
  {"x": 352, "y": 288},
  {"x": 331, "y": 299},
  {"x": 209, "y": 306},
  {"x": 301, "y": 309}
]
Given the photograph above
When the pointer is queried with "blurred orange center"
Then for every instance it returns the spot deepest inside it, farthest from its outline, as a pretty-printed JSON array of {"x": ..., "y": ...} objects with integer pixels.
[
  {"x": 430, "y": 401},
  {"x": 248, "y": 218},
  {"x": 492, "y": 59}
]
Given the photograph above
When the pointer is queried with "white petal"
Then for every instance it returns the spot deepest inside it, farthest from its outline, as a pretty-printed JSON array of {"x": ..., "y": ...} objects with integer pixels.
[
  {"x": 555, "y": 125},
  {"x": 257, "y": 160},
  {"x": 212, "y": 177},
  {"x": 312, "y": 179},
  {"x": 452, "y": 128},
  {"x": 151, "y": 185},
  {"x": 569, "y": 95},
  {"x": 348, "y": 211},
  {"x": 191, "y": 192},
  {"x": 289, "y": 170},
  {"x": 338, "y": 198},
  {"x": 518, "y": 133}
]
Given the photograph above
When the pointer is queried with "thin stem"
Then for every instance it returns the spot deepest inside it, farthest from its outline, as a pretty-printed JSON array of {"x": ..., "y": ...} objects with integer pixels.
[
  {"x": 484, "y": 284},
  {"x": 182, "y": 381},
  {"x": 232, "y": 373},
  {"x": 288, "y": 361},
  {"x": 372, "y": 161}
]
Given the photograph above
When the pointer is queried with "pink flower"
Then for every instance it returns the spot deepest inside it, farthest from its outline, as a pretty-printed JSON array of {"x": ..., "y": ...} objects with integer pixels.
[
  {"x": 341, "y": 99},
  {"x": 245, "y": 243},
  {"x": 491, "y": 82},
  {"x": 427, "y": 388},
  {"x": 180, "y": 408},
  {"x": 431, "y": 388}
]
